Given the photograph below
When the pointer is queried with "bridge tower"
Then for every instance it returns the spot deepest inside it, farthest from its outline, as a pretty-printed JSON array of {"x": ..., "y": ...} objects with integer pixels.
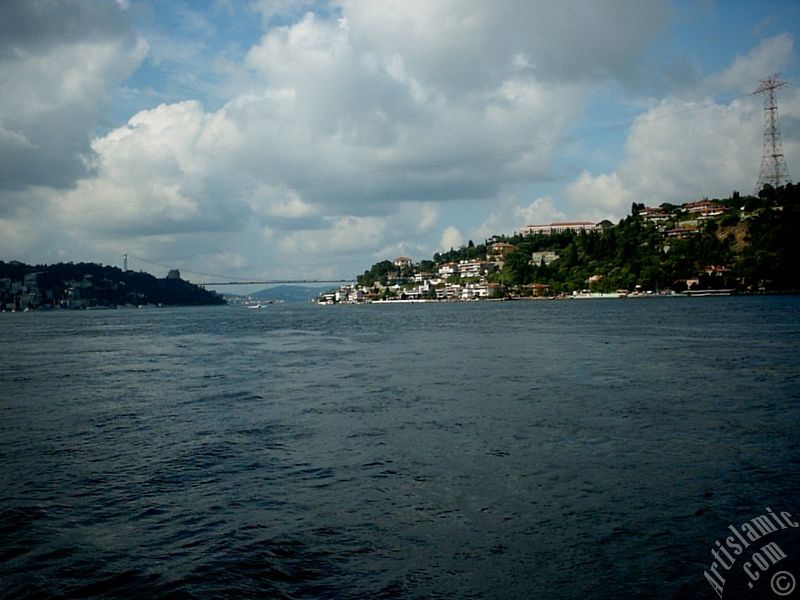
[{"x": 774, "y": 170}]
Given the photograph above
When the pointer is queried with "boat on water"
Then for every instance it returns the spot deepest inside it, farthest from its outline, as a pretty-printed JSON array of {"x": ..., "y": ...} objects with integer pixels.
[
  {"x": 261, "y": 304},
  {"x": 589, "y": 295},
  {"x": 700, "y": 293}
]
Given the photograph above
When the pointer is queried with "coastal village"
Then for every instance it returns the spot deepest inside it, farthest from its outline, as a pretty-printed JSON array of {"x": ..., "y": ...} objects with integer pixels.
[
  {"x": 487, "y": 277},
  {"x": 706, "y": 247}
]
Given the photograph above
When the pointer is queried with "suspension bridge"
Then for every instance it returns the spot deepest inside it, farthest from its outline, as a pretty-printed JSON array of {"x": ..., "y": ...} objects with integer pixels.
[
  {"x": 271, "y": 282},
  {"x": 225, "y": 280}
]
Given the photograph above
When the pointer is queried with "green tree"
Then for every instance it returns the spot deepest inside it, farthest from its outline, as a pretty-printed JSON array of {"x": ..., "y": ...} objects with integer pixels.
[{"x": 518, "y": 265}]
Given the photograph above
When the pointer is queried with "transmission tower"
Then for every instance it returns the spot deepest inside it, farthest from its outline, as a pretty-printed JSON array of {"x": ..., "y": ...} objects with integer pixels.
[{"x": 774, "y": 170}]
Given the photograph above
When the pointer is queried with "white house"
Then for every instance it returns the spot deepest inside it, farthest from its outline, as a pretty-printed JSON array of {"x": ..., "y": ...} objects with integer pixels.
[{"x": 537, "y": 258}]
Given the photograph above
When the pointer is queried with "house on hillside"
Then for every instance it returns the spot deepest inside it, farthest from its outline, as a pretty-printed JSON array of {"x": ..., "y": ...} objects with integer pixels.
[
  {"x": 501, "y": 249},
  {"x": 474, "y": 268},
  {"x": 704, "y": 209},
  {"x": 543, "y": 258},
  {"x": 682, "y": 233},
  {"x": 654, "y": 214},
  {"x": 497, "y": 253},
  {"x": 448, "y": 270}
]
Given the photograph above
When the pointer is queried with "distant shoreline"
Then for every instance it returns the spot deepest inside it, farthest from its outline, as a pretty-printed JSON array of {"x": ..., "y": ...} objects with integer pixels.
[{"x": 699, "y": 294}]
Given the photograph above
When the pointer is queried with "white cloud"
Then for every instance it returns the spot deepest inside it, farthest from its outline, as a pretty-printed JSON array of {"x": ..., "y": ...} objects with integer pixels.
[
  {"x": 428, "y": 217},
  {"x": 509, "y": 216},
  {"x": 599, "y": 197},
  {"x": 273, "y": 8},
  {"x": 541, "y": 210},
  {"x": 277, "y": 202},
  {"x": 451, "y": 238},
  {"x": 678, "y": 152},
  {"x": 148, "y": 178},
  {"x": 417, "y": 134},
  {"x": 55, "y": 86},
  {"x": 460, "y": 46},
  {"x": 771, "y": 55},
  {"x": 682, "y": 150},
  {"x": 342, "y": 235},
  {"x": 225, "y": 261},
  {"x": 350, "y": 130},
  {"x": 307, "y": 150}
]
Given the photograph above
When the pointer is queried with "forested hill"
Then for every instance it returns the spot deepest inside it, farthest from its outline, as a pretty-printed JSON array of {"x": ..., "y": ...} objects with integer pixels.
[
  {"x": 750, "y": 246},
  {"x": 87, "y": 285},
  {"x": 745, "y": 243}
]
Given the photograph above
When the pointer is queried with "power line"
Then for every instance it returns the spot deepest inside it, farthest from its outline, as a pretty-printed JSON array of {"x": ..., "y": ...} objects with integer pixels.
[
  {"x": 231, "y": 280},
  {"x": 170, "y": 267}
]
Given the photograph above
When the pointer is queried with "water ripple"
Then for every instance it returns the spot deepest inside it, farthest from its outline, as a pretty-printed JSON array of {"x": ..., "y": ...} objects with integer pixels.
[{"x": 481, "y": 451}]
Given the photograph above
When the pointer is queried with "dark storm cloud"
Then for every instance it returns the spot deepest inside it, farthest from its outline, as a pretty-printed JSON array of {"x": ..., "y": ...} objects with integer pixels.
[
  {"x": 34, "y": 26},
  {"x": 59, "y": 62}
]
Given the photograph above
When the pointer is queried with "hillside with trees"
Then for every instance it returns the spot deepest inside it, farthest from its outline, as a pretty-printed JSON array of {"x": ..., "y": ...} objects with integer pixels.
[
  {"x": 748, "y": 247},
  {"x": 88, "y": 285},
  {"x": 741, "y": 243}
]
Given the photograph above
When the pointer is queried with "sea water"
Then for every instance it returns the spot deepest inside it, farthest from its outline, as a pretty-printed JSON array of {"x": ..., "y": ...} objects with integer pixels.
[{"x": 552, "y": 449}]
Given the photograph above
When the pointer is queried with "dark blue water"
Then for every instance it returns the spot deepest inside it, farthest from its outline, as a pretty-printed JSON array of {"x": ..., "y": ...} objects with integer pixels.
[{"x": 575, "y": 449}]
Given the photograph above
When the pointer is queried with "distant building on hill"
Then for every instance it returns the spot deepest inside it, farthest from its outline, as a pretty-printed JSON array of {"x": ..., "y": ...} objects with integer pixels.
[
  {"x": 682, "y": 233},
  {"x": 576, "y": 226},
  {"x": 448, "y": 269},
  {"x": 474, "y": 268},
  {"x": 540, "y": 258},
  {"x": 654, "y": 214},
  {"x": 497, "y": 253},
  {"x": 704, "y": 209}
]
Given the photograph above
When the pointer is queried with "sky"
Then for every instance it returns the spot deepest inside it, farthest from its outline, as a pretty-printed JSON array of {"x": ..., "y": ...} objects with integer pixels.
[{"x": 282, "y": 139}]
